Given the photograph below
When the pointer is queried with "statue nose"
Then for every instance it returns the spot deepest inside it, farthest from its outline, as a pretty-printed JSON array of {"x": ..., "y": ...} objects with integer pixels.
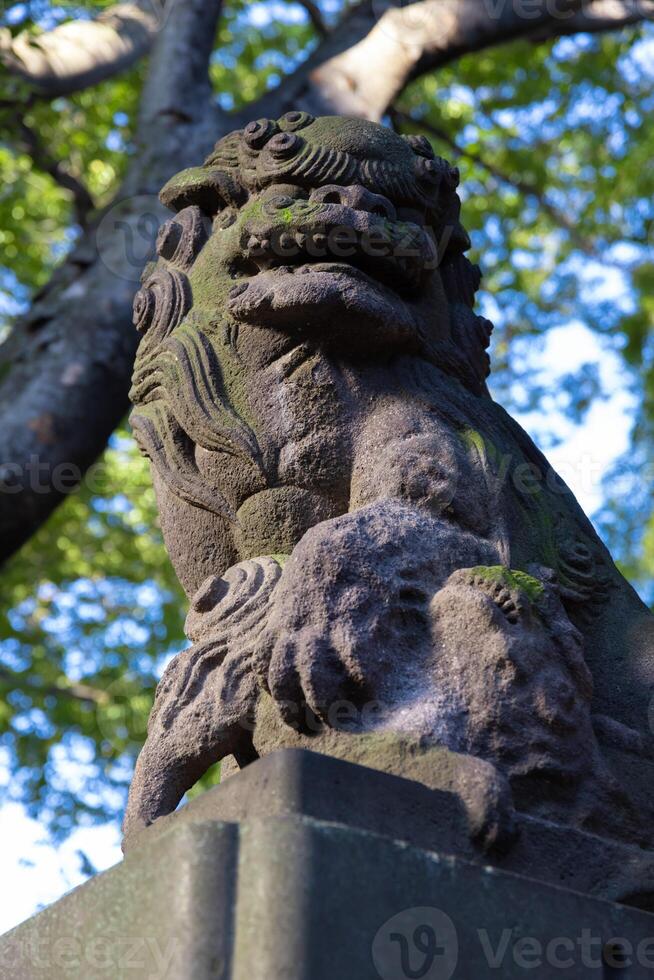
[{"x": 355, "y": 196}]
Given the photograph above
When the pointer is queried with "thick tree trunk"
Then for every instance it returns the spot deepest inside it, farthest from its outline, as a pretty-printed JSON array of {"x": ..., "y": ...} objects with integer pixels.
[
  {"x": 65, "y": 369},
  {"x": 64, "y": 373}
]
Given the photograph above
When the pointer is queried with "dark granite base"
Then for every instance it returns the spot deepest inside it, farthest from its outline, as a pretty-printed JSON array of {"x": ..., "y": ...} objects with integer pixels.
[{"x": 304, "y": 867}]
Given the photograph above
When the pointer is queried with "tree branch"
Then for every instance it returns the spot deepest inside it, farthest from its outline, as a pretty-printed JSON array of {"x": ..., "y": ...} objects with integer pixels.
[
  {"x": 73, "y": 690},
  {"x": 599, "y": 17},
  {"x": 367, "y": 60},
  {"x": 81, "y": 53},
  {"x": 525, "y": 188},
  {"x": 82, "y": 200},
  {"x": 315, "y": 16},
  {"x": 560, "y": 218}
]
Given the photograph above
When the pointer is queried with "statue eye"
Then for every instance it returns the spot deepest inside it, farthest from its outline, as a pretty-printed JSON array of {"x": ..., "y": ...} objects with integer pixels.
[{"x": 279, "y": 202}]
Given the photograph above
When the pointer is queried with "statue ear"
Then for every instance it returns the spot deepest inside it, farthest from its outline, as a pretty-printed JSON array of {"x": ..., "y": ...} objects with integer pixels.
[{"x": 210, "y": 188}]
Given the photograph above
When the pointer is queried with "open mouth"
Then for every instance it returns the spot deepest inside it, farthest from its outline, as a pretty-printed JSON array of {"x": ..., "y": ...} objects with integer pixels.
[
  {"x": 300, "y": 286},
  {"x": 340, "y": 259},
  {"x": 334, "y": 300}
]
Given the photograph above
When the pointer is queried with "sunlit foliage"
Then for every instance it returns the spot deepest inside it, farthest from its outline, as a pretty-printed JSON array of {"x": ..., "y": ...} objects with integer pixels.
[{"x": 554, "y": 143}]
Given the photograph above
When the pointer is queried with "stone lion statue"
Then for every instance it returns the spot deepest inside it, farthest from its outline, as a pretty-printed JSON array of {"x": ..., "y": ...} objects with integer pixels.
[{"x": 370, "y": 544}]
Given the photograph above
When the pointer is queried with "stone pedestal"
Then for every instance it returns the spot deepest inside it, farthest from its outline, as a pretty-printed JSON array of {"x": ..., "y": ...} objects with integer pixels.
[{"x": 304, "y": 867}]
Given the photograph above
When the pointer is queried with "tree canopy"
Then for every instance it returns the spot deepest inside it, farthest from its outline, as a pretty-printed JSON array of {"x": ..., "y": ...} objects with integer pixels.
[{"x": 551, "y": 122}]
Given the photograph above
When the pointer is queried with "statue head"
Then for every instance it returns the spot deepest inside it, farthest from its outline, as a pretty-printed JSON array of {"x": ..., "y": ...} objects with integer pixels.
[
  {"x": 333, "y": 228},
  {"x": 332, "y": 233}
]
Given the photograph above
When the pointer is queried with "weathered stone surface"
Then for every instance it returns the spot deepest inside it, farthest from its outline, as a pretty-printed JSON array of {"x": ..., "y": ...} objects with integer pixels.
[
  {"x": 356, "y": 522},
  {"x": 166, "y": 914},
  {"x": 441, "y": 804},
  {"x": 304, "y": 867}
]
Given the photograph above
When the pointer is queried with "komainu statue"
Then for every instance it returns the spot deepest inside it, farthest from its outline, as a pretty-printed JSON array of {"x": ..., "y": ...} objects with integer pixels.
[{"x": 375, "y": 553}]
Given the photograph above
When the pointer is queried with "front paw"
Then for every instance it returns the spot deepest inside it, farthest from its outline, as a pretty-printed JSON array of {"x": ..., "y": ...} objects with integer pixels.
[
  {"x": 349, "y": 624},
  {"x": 309, "y": 678}
]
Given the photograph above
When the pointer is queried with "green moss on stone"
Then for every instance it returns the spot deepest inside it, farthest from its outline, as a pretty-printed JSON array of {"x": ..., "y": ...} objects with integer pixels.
[
  {"x": 512, "y": 578},
  {"x": 540, "y": 518},
  {"x": 472, "y": 439},
  {"x": 191, "y": 177}
]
